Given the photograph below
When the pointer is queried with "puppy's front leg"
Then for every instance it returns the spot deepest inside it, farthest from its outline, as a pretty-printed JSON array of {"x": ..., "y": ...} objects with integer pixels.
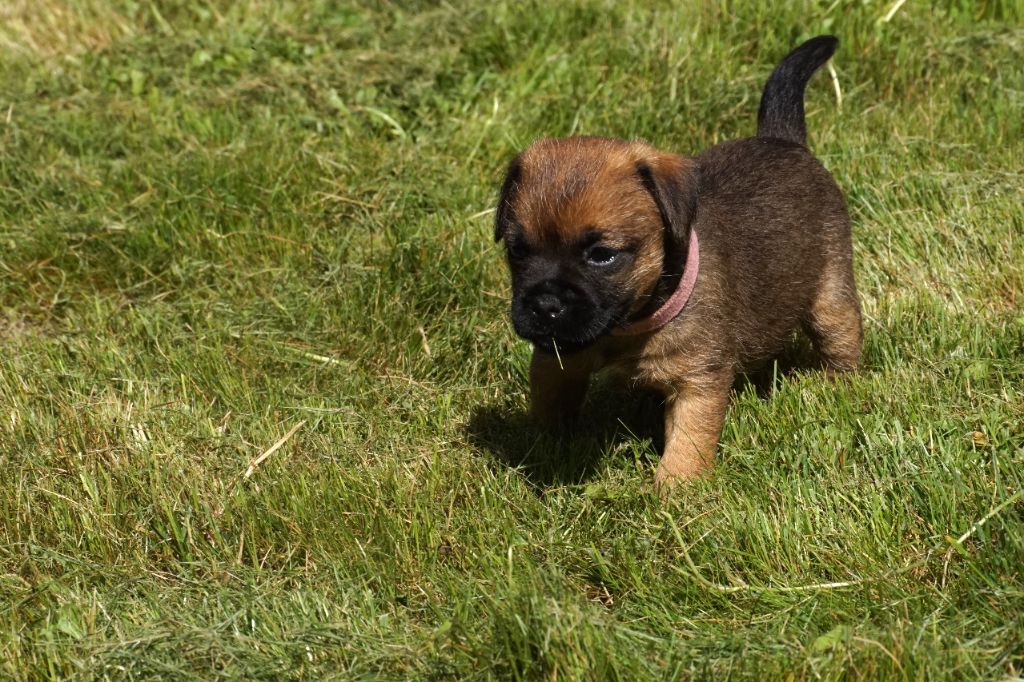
[
  {"x": 557, "y": 388},
  {"x": 693, "y": 424}
]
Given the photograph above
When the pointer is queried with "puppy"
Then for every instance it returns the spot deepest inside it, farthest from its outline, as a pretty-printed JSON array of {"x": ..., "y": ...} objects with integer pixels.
[{"x": 678, "y": 271}]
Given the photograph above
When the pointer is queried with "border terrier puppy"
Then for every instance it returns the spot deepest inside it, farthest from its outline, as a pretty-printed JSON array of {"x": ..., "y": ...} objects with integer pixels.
[{"x": 679, "y": 271}]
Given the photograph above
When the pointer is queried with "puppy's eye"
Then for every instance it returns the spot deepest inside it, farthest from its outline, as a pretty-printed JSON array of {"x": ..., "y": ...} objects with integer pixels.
[{"x": 601, "y": 255}]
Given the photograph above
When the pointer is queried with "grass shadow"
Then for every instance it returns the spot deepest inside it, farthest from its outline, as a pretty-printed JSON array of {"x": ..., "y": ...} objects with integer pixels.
[{"x": 506, "y": 434}]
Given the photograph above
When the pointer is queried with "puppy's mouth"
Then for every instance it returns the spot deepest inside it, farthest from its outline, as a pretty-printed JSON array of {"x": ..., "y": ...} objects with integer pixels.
[{"x": 561, "y": 346}]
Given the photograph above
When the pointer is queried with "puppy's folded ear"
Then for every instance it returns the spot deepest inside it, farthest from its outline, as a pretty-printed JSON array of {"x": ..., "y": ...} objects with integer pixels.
[
  {"x": 503, "y": 217},
  {"x": 672, "y": 182}
]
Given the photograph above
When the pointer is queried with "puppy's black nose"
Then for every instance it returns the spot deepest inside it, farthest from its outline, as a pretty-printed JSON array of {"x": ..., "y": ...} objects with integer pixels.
[{"x": 548, "y": 307}]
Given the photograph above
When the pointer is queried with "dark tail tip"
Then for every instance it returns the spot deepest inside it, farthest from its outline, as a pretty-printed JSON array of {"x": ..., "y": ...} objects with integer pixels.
[{"x": 782, "y": 104}]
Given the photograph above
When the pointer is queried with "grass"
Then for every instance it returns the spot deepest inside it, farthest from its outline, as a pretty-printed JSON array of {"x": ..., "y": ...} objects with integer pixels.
[{"x": 225, "y": 222}]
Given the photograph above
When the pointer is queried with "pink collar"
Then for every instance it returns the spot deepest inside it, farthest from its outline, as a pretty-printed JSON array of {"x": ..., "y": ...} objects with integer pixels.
[{"x": 676, "y": 302}]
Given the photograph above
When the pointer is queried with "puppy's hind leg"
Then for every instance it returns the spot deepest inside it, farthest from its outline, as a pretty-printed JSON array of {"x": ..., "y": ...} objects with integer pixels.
[{"x": 834, "y": 321}]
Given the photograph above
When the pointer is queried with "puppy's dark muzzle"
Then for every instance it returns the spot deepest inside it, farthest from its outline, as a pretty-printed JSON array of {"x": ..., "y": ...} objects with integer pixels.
[{"x": 553, "y": 314}]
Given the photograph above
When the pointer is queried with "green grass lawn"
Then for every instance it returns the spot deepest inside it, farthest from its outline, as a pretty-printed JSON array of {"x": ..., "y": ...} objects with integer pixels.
[{"x": 224, "y": 223}]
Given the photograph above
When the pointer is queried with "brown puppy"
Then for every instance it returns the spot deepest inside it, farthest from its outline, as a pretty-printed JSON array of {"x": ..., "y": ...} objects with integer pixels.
[{"x": 679, "y": 271}]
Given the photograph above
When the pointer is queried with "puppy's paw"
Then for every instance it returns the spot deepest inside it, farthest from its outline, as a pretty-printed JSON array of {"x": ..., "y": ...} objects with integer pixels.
[{"x": 668, "y": 481}]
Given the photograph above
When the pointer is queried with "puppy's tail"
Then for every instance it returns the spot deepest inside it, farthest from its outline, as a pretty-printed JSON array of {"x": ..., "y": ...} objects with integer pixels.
[{"x": 782, "y": 104}]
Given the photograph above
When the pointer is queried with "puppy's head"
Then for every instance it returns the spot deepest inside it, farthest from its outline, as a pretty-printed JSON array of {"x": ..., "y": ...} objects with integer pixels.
[{"x": 588, "y": 225}]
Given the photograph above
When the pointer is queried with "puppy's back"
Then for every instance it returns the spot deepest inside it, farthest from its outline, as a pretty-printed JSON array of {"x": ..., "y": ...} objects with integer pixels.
[{"x": 773, "y": 217}]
